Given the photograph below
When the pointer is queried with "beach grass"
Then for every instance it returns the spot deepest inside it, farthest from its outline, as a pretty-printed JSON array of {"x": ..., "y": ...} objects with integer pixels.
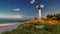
[{"x": 30, "y": 28}]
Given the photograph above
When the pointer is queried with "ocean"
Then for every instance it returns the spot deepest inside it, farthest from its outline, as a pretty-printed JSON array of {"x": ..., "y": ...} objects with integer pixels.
[{"x": 3, "y": 21}]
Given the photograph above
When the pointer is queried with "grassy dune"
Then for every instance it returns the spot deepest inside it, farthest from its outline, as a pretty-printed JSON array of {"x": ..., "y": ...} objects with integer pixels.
[{"x": 30, "y": 28}]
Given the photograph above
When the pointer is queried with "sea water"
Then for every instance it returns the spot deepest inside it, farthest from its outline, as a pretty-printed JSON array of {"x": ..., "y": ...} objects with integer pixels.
[{"x": 2, "y": 21}]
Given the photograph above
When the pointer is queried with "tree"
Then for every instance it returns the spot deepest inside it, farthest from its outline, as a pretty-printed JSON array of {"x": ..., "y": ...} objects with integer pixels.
[{"x": 35, "y": 18}]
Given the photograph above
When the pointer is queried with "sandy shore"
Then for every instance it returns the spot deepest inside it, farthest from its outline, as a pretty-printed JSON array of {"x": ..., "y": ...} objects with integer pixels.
[
  {"x": 8, "y": 27},
  {"x": 8, "y": 24}
]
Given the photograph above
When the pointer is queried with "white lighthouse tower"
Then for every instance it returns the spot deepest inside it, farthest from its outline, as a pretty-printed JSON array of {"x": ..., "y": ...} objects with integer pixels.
[{"x": 40, "y": 9}]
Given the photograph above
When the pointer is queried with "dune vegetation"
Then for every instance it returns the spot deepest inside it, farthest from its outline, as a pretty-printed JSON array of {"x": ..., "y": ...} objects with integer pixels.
[{"x": 51, "y": 25}]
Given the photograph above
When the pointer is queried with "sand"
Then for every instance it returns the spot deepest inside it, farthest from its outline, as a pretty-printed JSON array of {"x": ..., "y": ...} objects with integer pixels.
[
  {"x": 8, "y": 24},
  {"x": 8, "y": 27}
]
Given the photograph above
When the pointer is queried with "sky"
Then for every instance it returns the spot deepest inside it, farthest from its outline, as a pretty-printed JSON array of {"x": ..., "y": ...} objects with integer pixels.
[{"x": 26, "y": 9}]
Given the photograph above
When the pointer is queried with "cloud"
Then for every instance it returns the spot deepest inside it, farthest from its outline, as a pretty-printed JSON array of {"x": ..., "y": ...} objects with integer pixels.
[
  {"x": 32, "y": 1},
  {"x": 10, "y": 16},
  {"x": 16, "y": 16},
  {"x": 42, "y": 6},
  {"x": 17, "y": 9}
]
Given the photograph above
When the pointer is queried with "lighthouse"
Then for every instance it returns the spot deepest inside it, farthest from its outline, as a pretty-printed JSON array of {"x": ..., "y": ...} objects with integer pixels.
[{"x": 40, "y": 7}]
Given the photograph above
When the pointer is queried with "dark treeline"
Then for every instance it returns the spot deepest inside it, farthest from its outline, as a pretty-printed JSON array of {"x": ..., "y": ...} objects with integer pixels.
[{"x": 54, "y": 16}]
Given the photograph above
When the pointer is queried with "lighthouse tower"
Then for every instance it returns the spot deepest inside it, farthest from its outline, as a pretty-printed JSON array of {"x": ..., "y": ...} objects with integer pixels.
[{"x": 40, "y": 9}]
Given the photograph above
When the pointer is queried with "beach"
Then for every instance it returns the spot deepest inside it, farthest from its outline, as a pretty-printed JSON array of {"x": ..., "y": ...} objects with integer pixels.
[
  {"x": 8, "y": 24},
  {"x": 8, "y": 27}
]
